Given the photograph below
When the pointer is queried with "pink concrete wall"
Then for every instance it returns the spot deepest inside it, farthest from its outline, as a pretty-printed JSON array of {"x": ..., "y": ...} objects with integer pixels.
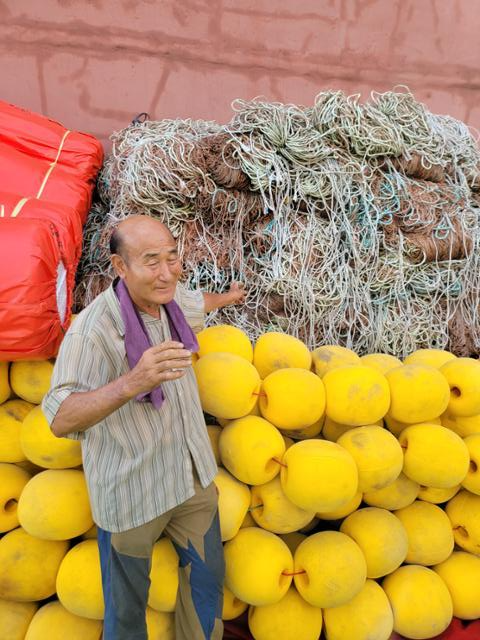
[{"x": 93, "y": 64}]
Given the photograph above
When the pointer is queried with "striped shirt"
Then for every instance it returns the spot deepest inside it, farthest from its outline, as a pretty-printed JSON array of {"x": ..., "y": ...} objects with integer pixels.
[{"x": 138, "y": 460}]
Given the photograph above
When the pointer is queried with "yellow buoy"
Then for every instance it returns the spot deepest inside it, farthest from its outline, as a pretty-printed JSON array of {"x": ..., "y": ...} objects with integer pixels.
[
  {"x": 12, "y": 481},
  {"x": 258, "y": 566},
  {"x": 43, "y": 448},
  {"x": 330, "y": 569},
  {"x": 434, "y": 456},
  {"x": 305, "y": 434},
  {"x": 54, "y": 622},
  {"x": 275, "y": 350},
  {"x": 232, "y": 606},
  {"x": 256, "y": 407},
  {"x": 273, "y": 511},
  {"x": 343, "y": 511},
  {"x": 396, "y": 427},
  {"x": 12, "y": 414},
  {"x": 462, "y": 425},
  {"x": 463, "y": 378},
  {"x": 418, "y": 393},
  {"x": 377, "y": 453},
  {"x": 381, "y": 537},
  {"x": 463, "y": 511},
  {"x": 30, "y": 379},
  {"x": 461, "y": 574},
  {"x": 318, "y": 475},
  {"x": 356, "y": 395},
  {"x": 4, "y": 384},
  {"x": 79, "y": 581},
  {"x": 430, "y": 536},
  {"x": 472, "y": 479},
  {"x": 437, "y": 496},
  {"x": 292, "y": 398},
  {"x": 431, "y": 357},
  {"x": 382, "y": 362},
  {"x": 292, "y": 617},
  {"x": 227, "y": 385},
  {"x": 367, "y": 616},
  {"x": 28, "y": 566},
  {"x": 333, "y": 430},
  {"x": 214, "y": 431},
  {"x": 54, "y": 505},
  {"x": 224, "y": 338},
  {"x": 233, "y": 503},
  {"x": 330, "y": 357},
  {"x": 164, "y": 576},
  {"x": 399, "y": 494},
  {"x": 15, "y": 618},
  {"x": 251, "y": 449},
  {"x": 160, "y": 625},
  {"x": 421, "y": 604}
]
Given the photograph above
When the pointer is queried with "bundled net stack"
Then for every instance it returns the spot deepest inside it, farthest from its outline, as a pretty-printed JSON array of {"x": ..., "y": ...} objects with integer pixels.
[{"x": 351, "y": 223}]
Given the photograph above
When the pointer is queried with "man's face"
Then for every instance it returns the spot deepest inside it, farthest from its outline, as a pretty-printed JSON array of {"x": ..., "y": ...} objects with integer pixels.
[{"x": 151, "y": 268}]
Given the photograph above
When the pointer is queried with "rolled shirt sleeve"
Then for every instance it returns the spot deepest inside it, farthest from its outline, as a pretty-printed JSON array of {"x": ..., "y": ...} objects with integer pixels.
[
  {"x": 79, "y": 367},
  {"x": 192, "y": 304}
]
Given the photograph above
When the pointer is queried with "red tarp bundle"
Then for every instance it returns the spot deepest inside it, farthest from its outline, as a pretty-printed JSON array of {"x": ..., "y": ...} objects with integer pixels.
[{"x": 47, "y": 175}]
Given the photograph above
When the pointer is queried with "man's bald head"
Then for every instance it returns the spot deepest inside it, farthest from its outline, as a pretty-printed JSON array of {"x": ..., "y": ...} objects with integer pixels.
[{"x": 126, "y": 234}]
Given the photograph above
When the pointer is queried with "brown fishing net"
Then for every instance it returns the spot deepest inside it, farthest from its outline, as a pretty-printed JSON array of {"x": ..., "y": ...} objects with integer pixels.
[{"x": 350, "y": 223}]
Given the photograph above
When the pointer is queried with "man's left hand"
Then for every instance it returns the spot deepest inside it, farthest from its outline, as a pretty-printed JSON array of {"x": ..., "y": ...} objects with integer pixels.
[{"x": 237, "y": 293}]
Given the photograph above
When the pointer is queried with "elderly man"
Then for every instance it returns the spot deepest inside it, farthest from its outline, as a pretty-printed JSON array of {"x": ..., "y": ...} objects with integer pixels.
[{"x": 123, "y": 385}]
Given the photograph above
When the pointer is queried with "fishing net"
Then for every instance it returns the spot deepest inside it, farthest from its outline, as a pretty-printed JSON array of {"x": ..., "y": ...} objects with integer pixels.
[{"x": 350, "y": 222}]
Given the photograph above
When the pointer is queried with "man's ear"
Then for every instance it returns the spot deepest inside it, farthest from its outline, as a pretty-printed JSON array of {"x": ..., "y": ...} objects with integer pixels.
[{"x": 118, "y": 264}]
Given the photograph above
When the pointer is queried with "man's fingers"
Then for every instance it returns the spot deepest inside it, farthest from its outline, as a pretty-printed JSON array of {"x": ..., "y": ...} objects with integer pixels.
[
  {"x": 172, "y": 354},
  {"x": 165, "y": 346},
  {"x": 166, "y": 365},
  {"x": 173, "y": 375},
  {"x": 170, "y": 374}
]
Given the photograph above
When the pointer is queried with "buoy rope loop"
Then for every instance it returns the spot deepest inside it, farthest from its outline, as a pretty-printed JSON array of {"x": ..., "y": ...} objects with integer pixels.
[{"x": 293, "y": 573}]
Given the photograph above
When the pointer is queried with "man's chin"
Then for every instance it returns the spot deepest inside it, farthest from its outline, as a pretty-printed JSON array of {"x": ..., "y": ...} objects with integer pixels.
[{"x": 164, "y": 297}]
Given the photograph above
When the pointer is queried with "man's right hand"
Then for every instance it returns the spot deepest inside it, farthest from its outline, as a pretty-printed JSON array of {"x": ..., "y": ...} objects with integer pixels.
[{"x": 165, "y": 361}]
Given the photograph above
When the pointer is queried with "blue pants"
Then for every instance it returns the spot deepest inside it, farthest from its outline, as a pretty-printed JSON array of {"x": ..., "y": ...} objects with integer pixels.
[{"x": 125, "y": 560}]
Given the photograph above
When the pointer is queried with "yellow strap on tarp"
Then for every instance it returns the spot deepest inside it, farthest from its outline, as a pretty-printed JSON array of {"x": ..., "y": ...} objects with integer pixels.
[
  {"x": 21, "y": 203},
  {"x": 52, "y": 165},
  {"x": 19, "y": 207}
]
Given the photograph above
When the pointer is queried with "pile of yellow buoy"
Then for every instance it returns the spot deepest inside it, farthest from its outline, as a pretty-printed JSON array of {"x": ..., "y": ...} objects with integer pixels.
[{"x": 349, "y": 496}]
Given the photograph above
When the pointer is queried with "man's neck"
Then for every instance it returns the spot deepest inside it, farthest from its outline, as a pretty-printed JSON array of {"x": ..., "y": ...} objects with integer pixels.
[{"x": 150, "y": 311}]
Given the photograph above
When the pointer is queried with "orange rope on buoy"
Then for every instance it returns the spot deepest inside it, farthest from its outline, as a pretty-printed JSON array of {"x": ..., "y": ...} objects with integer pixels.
[
  {"x": 294, "y": 573},
  {"x": 282, "y": 464}
]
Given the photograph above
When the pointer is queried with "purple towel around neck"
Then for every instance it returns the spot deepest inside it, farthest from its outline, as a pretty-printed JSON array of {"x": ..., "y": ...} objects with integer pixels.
[{"x": 137, "y": 339}]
